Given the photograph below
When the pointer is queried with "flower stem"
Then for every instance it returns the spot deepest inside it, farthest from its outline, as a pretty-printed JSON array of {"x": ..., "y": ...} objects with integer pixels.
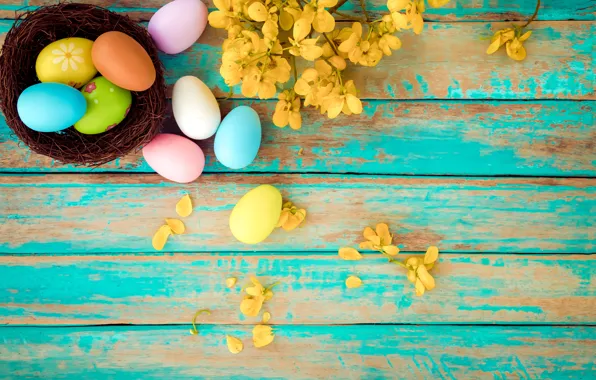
[
  {"x": 363, "y": 5},
  {"x": 194, "y": 330},
  {"x": 294, "y": 69},
  {"x": 331, "y": 43},
  {"x": 350, "y": 17},
  {"x": 534, "y": 15},
  {"x": 337, "y": 6}
]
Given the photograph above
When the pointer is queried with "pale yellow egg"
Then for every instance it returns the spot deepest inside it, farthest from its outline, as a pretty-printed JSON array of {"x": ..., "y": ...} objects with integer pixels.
[
  {"x": 66, "y": 61},
  {"x": 256, "y": 214}
]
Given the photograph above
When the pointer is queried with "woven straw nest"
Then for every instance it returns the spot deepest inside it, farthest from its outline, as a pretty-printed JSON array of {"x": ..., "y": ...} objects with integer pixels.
[{"x": 33, "y": 31}]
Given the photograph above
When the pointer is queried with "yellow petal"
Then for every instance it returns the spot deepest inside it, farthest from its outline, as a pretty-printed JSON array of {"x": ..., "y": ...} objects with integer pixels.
[
  {"x": 391, "y": 250},
  {"x": 268, "y": 294},
  {"x": 348, "y": 253},
  {"x": 371, "y": 236},
  {"x": 161, "y": 237},
  {"x": 431, "y": 255},
  {"x": 266, "y": 317},
  {"x": 397, "y": 5},
  {"x": 323, "y": 22},
  {"x": 286, "y": 21},
  {"x": 411, "y": 276},
  {"x": 283, "y": 218},
  {"x": 184, "y": 206},
  {"x": 176, "y": 225},
  {"x": 382, "y": 231},
  {"x": 235, "y": 345},
  {"x": 251, "y": 306},
  {"x": 494, "y": 46},
  {"x": 293, "y": 221},
  {"x": 525, "y": 36},
  {"x": 437, "y": 3},
  {"x": 231, "y": 281},
  {"x": 353, "y": 282},
  {"x": 518, "y": 54},
  {"x": 418, "y": 24},
  {"x": 367, "y": 245},
  {"x": 258, "y": 12},
  {"x": 413, "y": 262},
  {"x": 429, "y": 266},
  {"x": 338, "y": 62},
  {"x": 419, "y": 287},
  {"x": 295, "y": 120},
  {"x": 354, "y": 104},
  {"x": 262, "y": 335},
  {"x": 301, "y": 29},
  {"x": 310, "y": 52},
  {"x": 427, "y": 280}
]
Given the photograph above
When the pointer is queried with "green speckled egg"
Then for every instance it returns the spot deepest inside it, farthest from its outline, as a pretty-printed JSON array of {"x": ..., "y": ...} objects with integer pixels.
[{"x": 107, "y": 106}]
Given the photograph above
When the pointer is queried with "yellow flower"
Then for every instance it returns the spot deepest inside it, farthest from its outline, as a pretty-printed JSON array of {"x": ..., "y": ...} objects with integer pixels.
[
  {"x": 262, "y": 335},
  {"x": 256, "y": 81},
  {"x": 314, "y": 83},
  {"x": 224, "y": 16},
  {"x": 379, "y": 239},
  {"x": 323, "y": 21},
  {"x": 342, "y": 99},
  {"x": 287, "y": 111},
  {"x": 418, "y": 270},
  {"x": 306, "y": 48},
  {"x": 68, "y": 56},
  {"x": 351, "y": 46},
  {"x": 336, "y": 37},
  {"x": 256, "y": 295},
  {"x": 291, "y": 216},
  {"x": 512, "y": 38},
  {"x": 289, "y": 14},
  {"x": 389, "y": 42},
  {"x": 414, "y": 14}
]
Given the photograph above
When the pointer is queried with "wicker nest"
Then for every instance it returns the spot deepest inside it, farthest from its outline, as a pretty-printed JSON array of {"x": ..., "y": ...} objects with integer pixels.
[{"x": 33, "y": 31}]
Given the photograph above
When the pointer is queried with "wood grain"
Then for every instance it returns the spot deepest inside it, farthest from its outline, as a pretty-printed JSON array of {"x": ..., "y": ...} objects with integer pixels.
[
  {"x": 421, "y": 138},
  {"x": 448, "y": 61},
  {"x": 301, "y": 352},
  {"x": 119, "y": 213},
  {"x": 478, "y": 10},
  {"x": 167, "y": 289}
]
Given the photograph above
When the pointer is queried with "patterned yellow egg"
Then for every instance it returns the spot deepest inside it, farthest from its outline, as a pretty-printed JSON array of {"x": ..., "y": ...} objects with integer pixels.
[{"x": 66, "y": 61}]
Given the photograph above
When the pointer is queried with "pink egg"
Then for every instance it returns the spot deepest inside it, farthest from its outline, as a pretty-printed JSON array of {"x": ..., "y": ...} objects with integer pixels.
[
  {"x": 175, "y": 157},
  {"x": 177, "y": 25}
]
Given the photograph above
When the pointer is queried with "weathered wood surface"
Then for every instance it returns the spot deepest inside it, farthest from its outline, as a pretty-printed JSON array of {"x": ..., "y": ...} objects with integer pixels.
[
  {"x": 421, "y": 138},
  {"x": 448, "y": 61},
  {"x": 456, "y": 10},
  {"x": 119, "y": 213},
  {"x": 301, "y": 352},
  {"x": 167, "y": 289}
]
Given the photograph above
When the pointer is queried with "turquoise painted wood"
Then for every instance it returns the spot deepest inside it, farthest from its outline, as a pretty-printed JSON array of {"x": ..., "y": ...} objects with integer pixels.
[
  {"x": 107, "y": 289},
  {"x": 300, "y": 352},
  {"x": 119, "y": 213},
  {"x": 447, "y": 61},
  {"x": 548, "y": 138},
  {"x": 480, "y": 10}
]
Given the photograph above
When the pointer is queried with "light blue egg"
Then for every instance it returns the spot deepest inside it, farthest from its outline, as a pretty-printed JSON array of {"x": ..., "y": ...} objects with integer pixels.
[
  {"x": 50, "y": 107},
  {"x": 238, "y": 138}
]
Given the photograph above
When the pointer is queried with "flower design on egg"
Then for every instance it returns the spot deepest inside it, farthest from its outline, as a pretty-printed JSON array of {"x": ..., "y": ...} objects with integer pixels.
[
  {"x": 90, "y": 87},
  {"x": 68, "y": 55}
]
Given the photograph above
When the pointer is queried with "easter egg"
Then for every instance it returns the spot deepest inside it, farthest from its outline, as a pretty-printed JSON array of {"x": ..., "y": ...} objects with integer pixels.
[
  {"x": 66, "y": 61},
  {"x": 256, "y": 214},
  {"x": 177, "y": 25},
  {"x": 238, "y": 138},
  {"x": 107, "y": 106},
  {"x": 175, "y": 157},
  {"x": 50, "y": 107},
  {"x": 195, "y": 108},
  {"x": 123, "y": 61}
]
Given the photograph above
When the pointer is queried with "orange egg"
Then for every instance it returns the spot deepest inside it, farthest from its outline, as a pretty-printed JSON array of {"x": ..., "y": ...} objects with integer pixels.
[{"x": 123, "y": 61}]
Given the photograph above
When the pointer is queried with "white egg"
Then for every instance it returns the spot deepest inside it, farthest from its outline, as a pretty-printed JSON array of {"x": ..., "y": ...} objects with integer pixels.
[{"x": 195, "y": 108}]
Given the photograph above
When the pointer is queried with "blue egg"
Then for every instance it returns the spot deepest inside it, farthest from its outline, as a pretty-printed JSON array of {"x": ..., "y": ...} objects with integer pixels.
[
  {"x": 238, "y": 138},
  {"x": 50, "y": 107}
]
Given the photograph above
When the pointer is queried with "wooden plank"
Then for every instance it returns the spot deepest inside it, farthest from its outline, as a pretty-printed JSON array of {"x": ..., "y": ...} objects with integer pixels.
[
  {"x": 301, "y": 352},
  {"x": 420, "y": 138},
  {"x": 448, "y": 61},
  {"x": 478, "y": 10},
  {"x": 119, "y": 213},
  {"x": 89, "y": 290}
]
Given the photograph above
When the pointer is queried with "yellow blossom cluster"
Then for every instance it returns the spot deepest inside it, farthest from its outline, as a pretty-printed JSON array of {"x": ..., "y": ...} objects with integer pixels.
[
  {"x": 265, "y": 37},
  {"x": 380, "y": 239}
]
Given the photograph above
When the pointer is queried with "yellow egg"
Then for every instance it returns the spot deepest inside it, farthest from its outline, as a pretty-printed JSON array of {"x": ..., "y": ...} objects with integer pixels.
[
  {"x": 256, "y": 214},
  {"x": 66, "y": 61}
]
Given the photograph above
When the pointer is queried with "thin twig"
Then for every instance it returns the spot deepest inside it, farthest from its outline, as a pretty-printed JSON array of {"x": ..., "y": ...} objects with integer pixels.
[
  {"x": 337, "y": 6},
  {"x": 363, "y": 5},
  {"x": 350, "y": 17},
  {"x": 294, "y": 69},
  {"x": 331, "y": 43},
  {"x": 534, "y": 15}
]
